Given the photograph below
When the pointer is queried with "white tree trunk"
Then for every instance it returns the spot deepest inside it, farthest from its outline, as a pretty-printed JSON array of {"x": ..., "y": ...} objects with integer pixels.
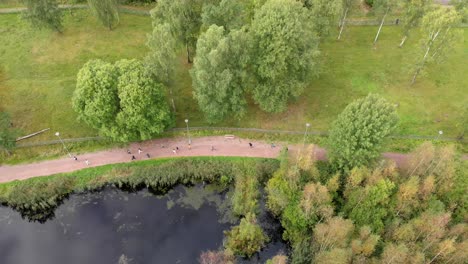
[
  {"x": 403, "y": 41},
  {"x": 343, "y": 23},
  {"x": 431, "y": 41},
  {"x": 380, "y": 28}
]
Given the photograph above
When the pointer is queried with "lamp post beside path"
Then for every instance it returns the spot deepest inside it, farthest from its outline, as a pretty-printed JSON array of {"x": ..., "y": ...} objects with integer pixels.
[
  {"x": 65, "y": 147},
  {"x": 188, "y": 133}
]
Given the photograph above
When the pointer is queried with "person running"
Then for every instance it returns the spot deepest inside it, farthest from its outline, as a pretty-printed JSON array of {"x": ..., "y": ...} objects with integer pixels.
[
  {"x": 128, "y": 152},
  {"x": 189, "y": 146},
  {"x": 212, "y": 148},
  {"x": 251, "y": 145},
  {"x": 174, "y": 151},
  {"x": 273, "y": 145},
  {"x": 87, "y": 162},
  {"x": 140, "y": 151},
  {"x": 148, "y": 155},
  {"x": 133, "y": 157},
  {"x": 177, "y": 148},
  {"x": 75, "y": 158}
]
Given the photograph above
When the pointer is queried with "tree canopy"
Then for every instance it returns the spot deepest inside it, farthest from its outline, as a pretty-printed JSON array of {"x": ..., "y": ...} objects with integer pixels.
[
  {"x": 285, "y": 53},
  {"x": 184, "y": 19},
  {"x": 325, "y": 14},
  {"x": 121, "y": 101},
  {"x": 44, "y": 13},
  {"x": 107, "y": 11},
  {"x": 358, "y": 133},
  {"x": 219, "y": 73}
]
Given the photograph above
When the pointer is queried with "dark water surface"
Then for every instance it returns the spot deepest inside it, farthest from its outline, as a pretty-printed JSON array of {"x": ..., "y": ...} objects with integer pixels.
[{"x": 111, "y": 225}]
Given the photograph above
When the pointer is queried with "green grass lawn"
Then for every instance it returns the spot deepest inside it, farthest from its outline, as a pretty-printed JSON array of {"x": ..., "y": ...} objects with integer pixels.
[{"x": 38, "y": 71}]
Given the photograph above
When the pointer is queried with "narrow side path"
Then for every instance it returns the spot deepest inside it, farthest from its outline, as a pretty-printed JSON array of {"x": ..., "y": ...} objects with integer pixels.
[{"x": 160, "y": 148}]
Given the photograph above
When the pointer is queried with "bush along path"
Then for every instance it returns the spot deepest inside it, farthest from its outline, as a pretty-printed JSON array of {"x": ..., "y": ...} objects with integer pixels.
[{"x": 159, "y": 148}]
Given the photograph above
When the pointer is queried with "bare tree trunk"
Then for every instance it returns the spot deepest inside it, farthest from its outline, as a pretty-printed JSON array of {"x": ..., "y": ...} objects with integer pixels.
[
  {"x": 188, "y": 54},
  {"x": 403, "y": 41},
  {"x": 434, "y": 37},
  {"x": 425, "y": 57},
  {"x": 343, "y": 22},
  {"x": 172, "y": 100},
  {"x": 380, "y": 28}
]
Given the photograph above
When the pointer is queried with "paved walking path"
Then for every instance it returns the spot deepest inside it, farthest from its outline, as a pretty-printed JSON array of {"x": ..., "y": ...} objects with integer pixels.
[{"x": 157, "y": 149}]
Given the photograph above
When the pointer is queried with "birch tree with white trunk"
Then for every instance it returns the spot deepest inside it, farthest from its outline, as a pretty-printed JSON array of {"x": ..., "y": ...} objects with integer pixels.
[
  {"x": 440, "y": 35},
  {"x": 346, "y": 8},
  {"x": 414, "y": 11},
  {"x": 382, "y": 8}
]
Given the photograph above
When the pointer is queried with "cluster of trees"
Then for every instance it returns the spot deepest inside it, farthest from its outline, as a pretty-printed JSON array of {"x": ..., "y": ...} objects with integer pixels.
[
  {"x": 356, "y": 210},
  {"x": 266, "y": 48},
  {"x": 121, "y": 100},
  {"x": 373, "y": 214},
  {"x": 269, "y": 49},
  {"x": 47, "y": 13}
]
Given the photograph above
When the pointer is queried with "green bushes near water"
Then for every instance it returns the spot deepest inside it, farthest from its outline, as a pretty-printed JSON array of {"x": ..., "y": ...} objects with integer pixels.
[
  {"x": 37, "y": 198},
  {"x": 247, "y": 238}
]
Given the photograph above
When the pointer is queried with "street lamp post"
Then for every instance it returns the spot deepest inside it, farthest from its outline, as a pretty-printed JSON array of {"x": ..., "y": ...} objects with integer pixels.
[
  {"x": 65, "y": 147},
  {"x": 188, "y": 133},
  {"x": 305, "y": 133}
]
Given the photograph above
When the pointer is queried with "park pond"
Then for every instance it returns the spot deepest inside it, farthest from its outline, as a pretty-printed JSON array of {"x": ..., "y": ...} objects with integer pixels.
[{"x": 113, "y": 226}]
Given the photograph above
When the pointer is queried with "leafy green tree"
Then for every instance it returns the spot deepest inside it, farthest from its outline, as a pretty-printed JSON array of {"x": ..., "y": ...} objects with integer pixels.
[
  {"x": 96, "y": 98},
  {"x": 357, "y": 134},
  {"x": 316, "y": 203},
  {"x": 438, "y": 27},
  {"x": 143, "y": 108},
  {"x": 107, "y": 11},
  {"x": 370, "y": 205},
  {"x": 245, "y": 197},
  {"x": 7, "y": 133},
  {"x": 247, "y": 238},
  {"x": 334, "y": 233},
  {"x": 462, "y": 8},
  {"x": 121, "y": 101},
  {"x": 414, "y": 10},
  {"x": 219, "y": 73},
  {"x": 285, "y": 53},
  {"x": 227, "y": 13},
  {"x": 162, "y": 57},
  {"x": 184, "y": 19},
  {"x": 364, "y": 245},
  {"x": 44, "y": 13},
  {"x": 325, "y": 14},
  {"x": 382, "y": 8},
  {"x": 279, "y": 193}
]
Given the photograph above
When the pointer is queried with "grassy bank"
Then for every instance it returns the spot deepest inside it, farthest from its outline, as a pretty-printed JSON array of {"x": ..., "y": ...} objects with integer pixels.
[{"x": 37, "y": 198}]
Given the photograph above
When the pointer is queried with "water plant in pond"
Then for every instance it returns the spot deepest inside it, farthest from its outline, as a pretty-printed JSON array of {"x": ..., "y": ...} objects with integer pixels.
[{"x": 247, "y": 238}]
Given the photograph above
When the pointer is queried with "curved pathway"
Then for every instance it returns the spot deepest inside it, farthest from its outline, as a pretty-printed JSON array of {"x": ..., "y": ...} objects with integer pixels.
[{"x": 162, "y": 148}]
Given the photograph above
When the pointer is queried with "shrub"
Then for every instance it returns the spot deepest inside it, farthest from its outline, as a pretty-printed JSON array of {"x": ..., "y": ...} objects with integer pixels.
[{"x": 247, "y": 238}]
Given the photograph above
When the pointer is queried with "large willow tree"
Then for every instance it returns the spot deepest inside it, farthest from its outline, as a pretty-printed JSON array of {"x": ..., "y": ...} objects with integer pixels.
[
  {"x": 285, "y": 50},
  {"x": 107, "y": 11},
  {"x": 44, "y": 13}
]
